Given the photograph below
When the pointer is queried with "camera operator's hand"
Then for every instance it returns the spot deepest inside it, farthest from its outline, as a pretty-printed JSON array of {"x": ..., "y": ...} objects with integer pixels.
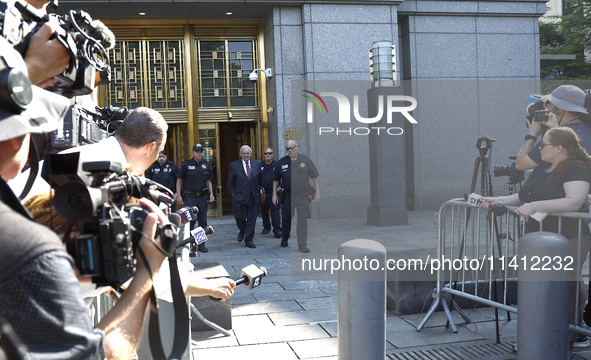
[
  {"x": 46, "y": 57},
  {"x": 552, "y": 121},
  {"x": 149, "y": 242},
  {"x": 535, "y": 128}
]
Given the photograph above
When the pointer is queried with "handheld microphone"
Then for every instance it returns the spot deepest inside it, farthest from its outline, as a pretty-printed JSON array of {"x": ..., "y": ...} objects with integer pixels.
[
  {"x": 476, "y": 200},
  {"x": 250, "y": 276},
  {"x": 175, "y": 219},
  {"x": 198, "y": 235},
  {"x": 188, "y": 213},
  {"x": 161, "y": 197}
]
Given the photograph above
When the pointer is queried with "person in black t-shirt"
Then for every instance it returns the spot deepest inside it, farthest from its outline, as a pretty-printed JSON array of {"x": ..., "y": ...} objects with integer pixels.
[
  {"x": 560, "y": 186},
  {"x": 293, "y": 172}
]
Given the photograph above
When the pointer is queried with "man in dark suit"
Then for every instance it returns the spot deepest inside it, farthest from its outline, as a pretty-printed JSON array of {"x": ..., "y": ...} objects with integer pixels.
[{"x": 244, "y": 183}]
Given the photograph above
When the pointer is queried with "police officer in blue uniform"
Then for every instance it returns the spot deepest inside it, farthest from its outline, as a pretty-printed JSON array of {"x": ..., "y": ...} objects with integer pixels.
[
  {"x": 164, "y": 172},
  {"x": 267, "y": 176},
  {"x": 293, "y": 172},
  {"x": 194, "y": 182}
]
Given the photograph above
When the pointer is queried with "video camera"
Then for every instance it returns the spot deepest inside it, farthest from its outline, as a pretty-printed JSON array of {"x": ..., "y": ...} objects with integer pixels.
[
  {"x": 84, "y": 38},
  {"x": 83, "y": 126},
  {"x": 112, "y": 228}
]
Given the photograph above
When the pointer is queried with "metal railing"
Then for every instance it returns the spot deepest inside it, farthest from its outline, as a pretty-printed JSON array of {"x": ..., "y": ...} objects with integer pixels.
[{"x": 477, "y": 259}]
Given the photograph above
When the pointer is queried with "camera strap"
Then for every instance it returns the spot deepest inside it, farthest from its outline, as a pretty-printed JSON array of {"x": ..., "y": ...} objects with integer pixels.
[
  {"x": 181, "y": 318},
  {"x": 33, "y": 169}
]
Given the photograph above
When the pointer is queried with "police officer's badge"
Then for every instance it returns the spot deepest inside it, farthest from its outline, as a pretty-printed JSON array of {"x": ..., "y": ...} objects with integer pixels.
[
  {"x": 203, "y": 166},
  {"x": 302, "y": 165}
]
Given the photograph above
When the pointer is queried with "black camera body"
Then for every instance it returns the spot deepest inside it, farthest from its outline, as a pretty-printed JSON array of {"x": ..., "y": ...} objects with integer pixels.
[
  {"x": 541, "y": 115},
  {"x": 515, "y": 176},
  {"x": 82, "y": 126},
  {"x": 77, "y": 31},
  {"x": 112, "y": 228}
]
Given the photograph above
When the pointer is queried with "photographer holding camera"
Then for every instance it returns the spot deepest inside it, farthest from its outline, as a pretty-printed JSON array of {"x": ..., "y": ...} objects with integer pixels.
[
  {"x": 38, "y": 285},
  {"x": 565, "y": 106}
]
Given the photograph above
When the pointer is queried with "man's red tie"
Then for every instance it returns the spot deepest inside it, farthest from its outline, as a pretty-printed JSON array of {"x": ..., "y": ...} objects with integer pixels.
[{"x": 248, "y": 170}]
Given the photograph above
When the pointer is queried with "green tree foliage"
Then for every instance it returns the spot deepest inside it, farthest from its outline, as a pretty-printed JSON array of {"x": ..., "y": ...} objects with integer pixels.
[{"x": 570, "y": 35}]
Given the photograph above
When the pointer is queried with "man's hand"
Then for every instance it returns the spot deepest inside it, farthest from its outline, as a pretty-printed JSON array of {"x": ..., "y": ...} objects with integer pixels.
[
  {"x": 317, "y": 196},
  {"x": 179, "y": 200},
  {"x": 150, "y": 243},
  {"x": 552, "y": 121},
  {"x": 211, "y": 197},
  {"x": 46, "y": 58},
  {"x": 221, "y": 288},
  {"x": 274, "y": 200},
  {"x": 536, "y": 128}
]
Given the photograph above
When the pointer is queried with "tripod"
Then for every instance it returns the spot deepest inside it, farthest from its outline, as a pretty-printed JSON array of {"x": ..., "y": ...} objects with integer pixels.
[{"x": 482, "y": 167}]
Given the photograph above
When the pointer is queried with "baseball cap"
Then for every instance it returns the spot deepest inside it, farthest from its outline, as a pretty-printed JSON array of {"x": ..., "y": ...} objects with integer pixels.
[
  {"x": 197, "y": 147},
  {"x": 568, "y": 98},
  {"x": 25, "y": 108}
]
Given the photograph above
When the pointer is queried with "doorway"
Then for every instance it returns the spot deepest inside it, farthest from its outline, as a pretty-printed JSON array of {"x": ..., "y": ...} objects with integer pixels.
[{"x": 231, "y": 138}]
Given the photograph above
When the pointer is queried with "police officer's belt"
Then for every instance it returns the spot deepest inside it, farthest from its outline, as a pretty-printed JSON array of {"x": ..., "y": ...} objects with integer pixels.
[{"x": 198, "y": 193}]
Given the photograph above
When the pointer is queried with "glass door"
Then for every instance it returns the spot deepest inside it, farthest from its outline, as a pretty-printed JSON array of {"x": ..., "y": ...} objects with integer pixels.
[{"x": 208, "y": 137}]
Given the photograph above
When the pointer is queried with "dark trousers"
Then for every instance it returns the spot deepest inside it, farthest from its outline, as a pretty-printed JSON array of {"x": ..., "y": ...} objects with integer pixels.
[
  {"x": 268, "y": 207},
  {"x": 301, "y": 204},
  {"x": 201, "y": 203},
  {"x": 246, "y": 217}
]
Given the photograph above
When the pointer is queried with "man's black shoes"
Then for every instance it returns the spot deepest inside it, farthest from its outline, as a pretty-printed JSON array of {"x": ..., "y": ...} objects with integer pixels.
[
  {"x": 284, "y": 243},
  {"x": 202, "y": 248},
  {"x": 278, "y": 234},
  {"x": 240, "y": 236},
  {"x": 250, "y": 245},
  {"x": 266, "y": 231}
]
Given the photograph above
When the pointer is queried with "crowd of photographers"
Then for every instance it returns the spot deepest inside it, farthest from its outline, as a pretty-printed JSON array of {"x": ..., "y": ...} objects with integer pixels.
[{"x": 42, "y": 312}]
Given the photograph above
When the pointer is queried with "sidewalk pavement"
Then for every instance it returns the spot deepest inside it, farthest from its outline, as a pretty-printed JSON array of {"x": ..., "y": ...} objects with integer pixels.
[{"x": 288, "y": 318}]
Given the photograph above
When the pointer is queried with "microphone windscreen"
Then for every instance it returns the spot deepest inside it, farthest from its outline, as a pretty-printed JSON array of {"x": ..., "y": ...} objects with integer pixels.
[
  {"x": 102, "y": 33},
  {"x": 175, "y": 219}
]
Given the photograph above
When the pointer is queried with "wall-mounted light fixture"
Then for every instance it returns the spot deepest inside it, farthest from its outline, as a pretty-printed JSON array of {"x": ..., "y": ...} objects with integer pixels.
[{"x": 382, "y": 64}]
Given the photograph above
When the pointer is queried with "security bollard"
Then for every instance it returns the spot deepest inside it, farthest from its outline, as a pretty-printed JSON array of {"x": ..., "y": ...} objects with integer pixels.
[
  {"x": 362, "y": 300},
  {"x": 543, "y": 297}
]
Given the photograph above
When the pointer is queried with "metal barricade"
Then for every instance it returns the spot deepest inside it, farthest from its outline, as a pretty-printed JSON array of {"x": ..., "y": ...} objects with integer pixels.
[{"x": 477, "y": 259}]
